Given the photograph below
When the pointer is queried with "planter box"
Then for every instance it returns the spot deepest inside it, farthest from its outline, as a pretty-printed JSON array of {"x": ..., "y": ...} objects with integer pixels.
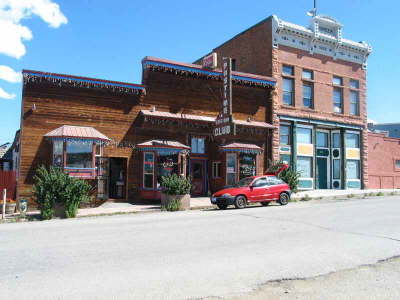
[
  {"x": 184, "y": 200},
  {"x": 10, "y": 208},
  {"x": 59, "y": 210}
]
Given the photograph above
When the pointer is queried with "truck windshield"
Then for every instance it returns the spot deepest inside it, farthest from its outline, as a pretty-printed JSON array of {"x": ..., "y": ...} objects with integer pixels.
[{"x": 244, "y": 182}]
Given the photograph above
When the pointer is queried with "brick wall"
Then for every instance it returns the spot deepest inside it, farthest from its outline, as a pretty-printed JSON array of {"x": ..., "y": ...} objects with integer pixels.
[{"x": 382, "y": 156}]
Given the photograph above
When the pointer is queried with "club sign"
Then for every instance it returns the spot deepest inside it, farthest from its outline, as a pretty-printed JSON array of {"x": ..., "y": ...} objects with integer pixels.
[{"x": 224, "y": 123}]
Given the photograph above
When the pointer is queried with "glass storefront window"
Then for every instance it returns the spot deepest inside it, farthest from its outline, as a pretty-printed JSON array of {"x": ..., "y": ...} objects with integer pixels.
[
  {"x": 336, "y": 169},
  {"x": 336, "y": 140},
  {"x": 285, "y": 158},
  {"x": 247, "y": 165},
  {"x": 148, "y": 170},
  {"x": 304, "y": 166},
  {"x": 198, "y": 145},
  {"x": 353, "y": 169},
  {"x": 167, "y": 164},
  {"x": 284, "y": 134},
  {"x": 352, "y": 140},
  {"x": 58, "y": 154},
  {"x": 79, "y": 154},
  {"x": 322, "y": 139},
  {"x": 230, "y": 168},
  {"x": 304, "y": 135}
]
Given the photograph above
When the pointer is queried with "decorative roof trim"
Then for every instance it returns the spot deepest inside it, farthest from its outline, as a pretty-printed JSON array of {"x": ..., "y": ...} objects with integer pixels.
[
  {"x": 77, "y": 81},
  {"x": 156, "y": 64}
]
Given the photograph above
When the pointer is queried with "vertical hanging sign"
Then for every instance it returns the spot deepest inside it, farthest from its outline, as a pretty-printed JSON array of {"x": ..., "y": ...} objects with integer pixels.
[{"x": 224, "y": 123}]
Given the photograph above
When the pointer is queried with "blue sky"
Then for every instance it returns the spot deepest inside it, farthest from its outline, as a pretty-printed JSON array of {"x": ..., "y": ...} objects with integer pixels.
[{"x": 108, "y": 39}]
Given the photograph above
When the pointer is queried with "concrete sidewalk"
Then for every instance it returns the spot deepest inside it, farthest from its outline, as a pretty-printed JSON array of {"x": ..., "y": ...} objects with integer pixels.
[{"x": 109, "y": 208}]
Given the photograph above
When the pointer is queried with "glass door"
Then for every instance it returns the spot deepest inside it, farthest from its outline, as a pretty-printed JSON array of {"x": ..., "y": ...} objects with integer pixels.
[{"x": 322, "y": 160}]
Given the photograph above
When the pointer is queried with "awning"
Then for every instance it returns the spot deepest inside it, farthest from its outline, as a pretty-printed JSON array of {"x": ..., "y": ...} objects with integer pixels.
[
  {"x": 163, "y": 146},
  {"x": 242, "y": 148},
  {"x": 77, "y": 133}
]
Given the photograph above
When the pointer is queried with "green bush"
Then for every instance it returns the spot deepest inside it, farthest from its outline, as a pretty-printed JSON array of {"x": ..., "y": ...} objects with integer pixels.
[
  {"x": 54, "y": 186},
  {"x": 172, "y": 205},
  {"x": 290, "y": 176},
  {"x": 175, "y": 185}
]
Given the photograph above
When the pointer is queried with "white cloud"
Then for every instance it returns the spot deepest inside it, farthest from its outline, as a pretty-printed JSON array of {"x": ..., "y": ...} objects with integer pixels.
[
  {"x": 5, "y": 95},
  {"x": 12, "y": 12},
  {"x": 8, "y": 74}
]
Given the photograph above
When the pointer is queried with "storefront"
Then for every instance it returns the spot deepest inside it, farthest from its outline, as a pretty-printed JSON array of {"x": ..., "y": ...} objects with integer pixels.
[{"x": 326, "y": 154}]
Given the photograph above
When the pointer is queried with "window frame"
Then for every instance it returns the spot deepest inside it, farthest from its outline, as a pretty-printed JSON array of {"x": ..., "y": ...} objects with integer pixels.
[
  {"x": 354, "y": 104},
  {"x": 146, "y": 173},
  {"x": 287, "y": 66},
  {"x": 358, "y": 140},
  {"x": 288, "y": 134},
  {"x": 311, "y": 85},
  {"x": 307, "y": 71},
  {"x": 216, "y": 169},
  {"x": 292, "y": 95},
  {"x": 357, "y": 86},
  {"x": 236, "y": 166},
  {"x": 336, "y": 88},
  {"x": 339, "y": 78},
  {"x": 197, "y": 138}
]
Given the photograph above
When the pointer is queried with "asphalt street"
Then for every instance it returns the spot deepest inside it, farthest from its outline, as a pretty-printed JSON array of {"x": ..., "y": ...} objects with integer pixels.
[{"x": 196, "y": 254}]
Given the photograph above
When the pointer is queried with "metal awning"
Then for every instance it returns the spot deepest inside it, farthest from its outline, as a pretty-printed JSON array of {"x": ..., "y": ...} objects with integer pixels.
[
  {"x": 163, "y": 146},
  {"x": 241, "y": 147},
  {"x": 68, "y": 132}
]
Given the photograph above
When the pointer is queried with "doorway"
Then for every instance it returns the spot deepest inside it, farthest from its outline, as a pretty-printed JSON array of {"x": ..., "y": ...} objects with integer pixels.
[
  {"x": 198, "y": 174},
  {"x": 117, "y": 177},
  {"x": 322, "y": 164},
  {"x": 322, "y": 172}
]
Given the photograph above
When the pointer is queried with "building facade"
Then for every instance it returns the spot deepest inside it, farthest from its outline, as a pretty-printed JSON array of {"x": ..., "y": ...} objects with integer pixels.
[
  {"x": 124, "y": 137},
  {"x": 320, "y": 103}
]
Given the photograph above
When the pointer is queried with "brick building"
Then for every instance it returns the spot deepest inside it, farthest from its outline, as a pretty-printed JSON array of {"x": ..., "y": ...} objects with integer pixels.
[{"x": 320, "y": 103}]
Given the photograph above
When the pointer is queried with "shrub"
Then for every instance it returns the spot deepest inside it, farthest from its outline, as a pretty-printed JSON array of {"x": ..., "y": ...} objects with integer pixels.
[
  {"x": 175, "y": 185},
  {"x": 350, "y": 196},
  {"x": 54, "y": 186},
  {"x": 379, "y": 194},
  {"x": 172, "y": 205},
  {"x": 290, "y": 176},
  {"x": 305, "y": 198}
]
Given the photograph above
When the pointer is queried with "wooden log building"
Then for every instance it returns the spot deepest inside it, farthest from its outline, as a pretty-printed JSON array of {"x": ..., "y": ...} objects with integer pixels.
[{"x": 123, "y": 137}]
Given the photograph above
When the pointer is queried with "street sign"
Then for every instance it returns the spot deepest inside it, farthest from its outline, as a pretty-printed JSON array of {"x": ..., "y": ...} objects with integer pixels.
[
  {"x": 224, "y": 123},
  {"x": 210, "y": 61}
]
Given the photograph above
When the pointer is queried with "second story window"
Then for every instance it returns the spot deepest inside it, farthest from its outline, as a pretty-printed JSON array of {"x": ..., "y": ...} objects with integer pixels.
[
  {"x": 354, "y": 103},
  {"x": 337, "y": 80},
  {"x": 233, "y": 64},
  {"x": 337, "y": 100},
  {"x": 198, "y": 145},
  {"x": 354, "y": 84},
  {"x": 308, "y": 74},
  {"x": 287, "y": 70},
  {"x": 308, "y": 95},
  {"x": 288, "y": 91}
]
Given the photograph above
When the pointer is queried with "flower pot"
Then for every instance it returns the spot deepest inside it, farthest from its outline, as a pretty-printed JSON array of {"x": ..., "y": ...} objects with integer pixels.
[
  {"x": 183, "y": 199},
  {"x": 59, "y": 210}
]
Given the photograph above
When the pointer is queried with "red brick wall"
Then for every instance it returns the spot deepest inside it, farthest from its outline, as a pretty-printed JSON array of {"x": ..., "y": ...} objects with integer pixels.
[{"x": 382, "y": 156}]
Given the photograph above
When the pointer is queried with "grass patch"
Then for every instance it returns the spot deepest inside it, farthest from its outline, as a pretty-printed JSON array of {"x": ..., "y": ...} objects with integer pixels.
[
  {"x": 393, "y": 194},
  {"x": 350, "y": 196},
  {"x": 379, "y": 194}
]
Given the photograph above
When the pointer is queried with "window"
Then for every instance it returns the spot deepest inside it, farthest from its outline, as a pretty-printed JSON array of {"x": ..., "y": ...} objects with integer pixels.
[
  {"x": 79, "y": 155},
  {"x": 285, "y": 158},
  {"x": 353, "y": 169},
  {"x": 273, "y": 180},
  {"x": 216, "y": 169},
  {"x": 260, "y": 182},
  {"x": 397, "y": 164},
  {"x": 304, "y": 135},
  {"x": 284, "y": 134},
  {"x": 167, "y": 164},
  {"x": 308, "y": 74},
  {"x": 233, "y": 64},
  {"x": 304, "y": 166},
  {"x": 247, "y": 165},
  {"x": 58, "y": 154},
  {"x": 287, "y": 70},
  {"x": 198, "y": 145},
  {"x": 336, "y": 169},
  {"x": 231, "y": 168},
  {"x": 322, "y": 139},
  {"x": 352, "y": 140},
  {"x": 354, "y": 103},
  {"x": 308, "y": 95},
  {"x": 148, "y": 170},
  {"x": 336, "y": 140},
  {"x": 288, "y": 91},
  {"x": 354, "y": 84},
  {"x": 337, "y": 80},
  {"x": 337, "y": 100}
]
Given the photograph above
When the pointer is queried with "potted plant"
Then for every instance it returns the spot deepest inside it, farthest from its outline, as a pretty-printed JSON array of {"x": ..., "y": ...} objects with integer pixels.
[
  {"x": 10, "y": 206},
  {"x": 175, "y": 192}
]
